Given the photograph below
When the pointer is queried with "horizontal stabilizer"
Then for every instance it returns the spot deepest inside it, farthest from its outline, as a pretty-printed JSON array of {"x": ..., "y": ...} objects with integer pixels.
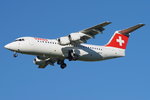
[{"x": 131, "y": 29}]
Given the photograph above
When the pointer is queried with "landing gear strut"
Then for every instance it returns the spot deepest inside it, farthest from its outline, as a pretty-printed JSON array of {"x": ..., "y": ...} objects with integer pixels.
[
  {"x": 62, "y": 64},
  {"x": 15, "y": 55},
  {"x": 72, "y": 55}
]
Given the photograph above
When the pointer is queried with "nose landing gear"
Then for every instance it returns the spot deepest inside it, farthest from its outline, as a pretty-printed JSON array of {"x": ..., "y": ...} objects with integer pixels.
[{"x": 15, "y": 55}]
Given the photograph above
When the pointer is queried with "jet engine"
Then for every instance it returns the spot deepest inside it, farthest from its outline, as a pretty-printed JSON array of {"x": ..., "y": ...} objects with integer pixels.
[
  {"x": 64, "y": 40},
  {"x": 42, "y": 57},
  {"x": 43, "y": 61},
  {"x": 40, "y": 62},
  {"x": 74, "y": 37}
]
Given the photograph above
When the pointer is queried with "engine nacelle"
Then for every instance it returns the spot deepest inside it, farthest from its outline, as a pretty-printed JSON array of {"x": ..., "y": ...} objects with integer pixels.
[
  {"x": 42, "y": 57},
  {"x": 64, "y": 40},
  {"x": 39, "y": 62},
  {"x": 74, "y": 37}
]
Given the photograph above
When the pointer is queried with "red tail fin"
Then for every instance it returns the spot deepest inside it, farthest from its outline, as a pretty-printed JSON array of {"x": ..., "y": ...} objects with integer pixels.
[
  {"x": 120, "y": 38},
  {"x": 118, "y": 41}
]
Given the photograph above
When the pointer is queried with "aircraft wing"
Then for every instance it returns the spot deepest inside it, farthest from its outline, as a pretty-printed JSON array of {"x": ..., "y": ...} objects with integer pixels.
[{"x": 83, "y": 35}]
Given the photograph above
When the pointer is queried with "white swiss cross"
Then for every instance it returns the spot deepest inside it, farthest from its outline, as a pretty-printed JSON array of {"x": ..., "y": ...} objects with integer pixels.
[{"x": 120, "y": 41}]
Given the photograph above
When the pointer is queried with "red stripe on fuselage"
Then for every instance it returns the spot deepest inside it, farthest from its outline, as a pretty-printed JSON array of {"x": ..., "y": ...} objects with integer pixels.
[{"x": 40, "y": 39}]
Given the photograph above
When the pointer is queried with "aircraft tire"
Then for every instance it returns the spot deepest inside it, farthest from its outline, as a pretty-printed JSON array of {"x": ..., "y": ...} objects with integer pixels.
[
  {"x": 63, "y": 65},
  {"x": 15, "y": 55}
]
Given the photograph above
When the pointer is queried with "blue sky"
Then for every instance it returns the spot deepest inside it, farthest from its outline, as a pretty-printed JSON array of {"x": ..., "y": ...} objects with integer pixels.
[{"x": 125, "y": 78}]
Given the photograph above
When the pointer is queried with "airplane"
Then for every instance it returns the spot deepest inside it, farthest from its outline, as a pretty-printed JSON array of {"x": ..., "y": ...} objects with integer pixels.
[{"x": 73, "y": 47}]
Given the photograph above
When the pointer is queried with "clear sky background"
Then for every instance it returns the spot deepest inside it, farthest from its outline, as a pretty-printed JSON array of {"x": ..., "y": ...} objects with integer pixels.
[{"x": 126, "y": 78}]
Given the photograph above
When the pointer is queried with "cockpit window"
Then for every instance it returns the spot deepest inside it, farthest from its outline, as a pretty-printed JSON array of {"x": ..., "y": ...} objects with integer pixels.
[{"x": 19, "y": 40}]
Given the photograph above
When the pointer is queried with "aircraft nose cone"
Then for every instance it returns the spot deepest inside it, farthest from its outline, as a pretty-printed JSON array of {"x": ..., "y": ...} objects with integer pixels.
[
  {"x": 12, "y": 46},
  {"x": 7, "y": 46}
]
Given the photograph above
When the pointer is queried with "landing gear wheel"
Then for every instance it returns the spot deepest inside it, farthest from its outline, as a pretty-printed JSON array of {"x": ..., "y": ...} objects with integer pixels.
[
  {"x": 59, "y": 62},
  {"x": 63, "y": 66},
  {"x": 15, "y": 55}
]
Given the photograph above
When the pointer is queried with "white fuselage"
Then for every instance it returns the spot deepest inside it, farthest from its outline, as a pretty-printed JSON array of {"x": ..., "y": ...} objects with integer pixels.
[{"x": 51, "y": 48}]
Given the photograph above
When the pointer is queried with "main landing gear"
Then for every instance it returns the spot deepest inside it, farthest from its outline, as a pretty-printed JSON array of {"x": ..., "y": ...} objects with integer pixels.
[
  {"x": 72, "y": 55},
  {"x": 62, "y": 64}
]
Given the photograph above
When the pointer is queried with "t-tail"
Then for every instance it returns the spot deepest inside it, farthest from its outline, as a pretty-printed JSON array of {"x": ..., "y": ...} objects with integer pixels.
[
  {"x": 120, "y": 38},
  {"x": 119, "y": 41}
]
